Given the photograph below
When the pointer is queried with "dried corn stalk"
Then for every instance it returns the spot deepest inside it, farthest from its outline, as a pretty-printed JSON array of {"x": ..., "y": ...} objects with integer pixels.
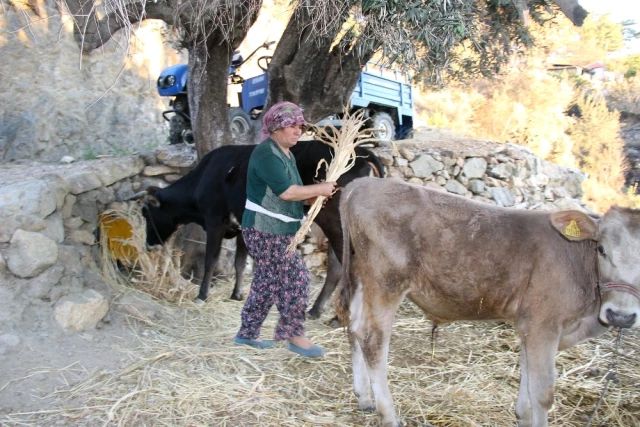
[{"x": 344, "y": 142}]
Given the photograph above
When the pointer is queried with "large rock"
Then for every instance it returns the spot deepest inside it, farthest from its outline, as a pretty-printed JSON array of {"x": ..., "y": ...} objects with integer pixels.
[
  {"x": 502, "y": 171},
  {"x": 8, "y": 226},
  {"x": 59, "y": 186},
  {"x": 82, "y": 311},
  {"x": 40, "y": 287},
  {"x": 55, "y": 227},
  {"x": 455, "y": 187},
  {"x": 425, "y": 165},
  {"x": 114, "y": 171},
  {"x": 475, "y": 167},
  {"x": 82, "y": 182},
  {"x": 502, "y": 196},
  {"x": 27, "y": 198},
  {"x": 178, "y": 156},
  {"x": 31, "y": 253}
]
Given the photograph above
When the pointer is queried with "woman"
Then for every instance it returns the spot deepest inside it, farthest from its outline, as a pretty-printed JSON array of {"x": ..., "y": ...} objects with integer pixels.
[{"x": 273, "y": 215}]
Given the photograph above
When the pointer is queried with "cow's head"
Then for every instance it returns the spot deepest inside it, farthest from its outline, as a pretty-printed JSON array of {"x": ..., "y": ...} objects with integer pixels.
[
  {"x": 618, "y": 244},
  {"x": 160, "y": 225}
]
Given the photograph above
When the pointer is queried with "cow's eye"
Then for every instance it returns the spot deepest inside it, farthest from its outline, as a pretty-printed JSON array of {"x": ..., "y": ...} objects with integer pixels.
[{"x": 601, "y": 250}]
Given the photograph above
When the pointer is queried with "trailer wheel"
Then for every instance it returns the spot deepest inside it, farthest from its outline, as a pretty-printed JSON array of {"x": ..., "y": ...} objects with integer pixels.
[
  {"x": 240, "y": 123},
  {"x": 384, "y": 125}
]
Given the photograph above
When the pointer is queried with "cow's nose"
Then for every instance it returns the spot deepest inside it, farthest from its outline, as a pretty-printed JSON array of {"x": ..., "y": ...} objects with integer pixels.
[{"x": 620, "y": 320}]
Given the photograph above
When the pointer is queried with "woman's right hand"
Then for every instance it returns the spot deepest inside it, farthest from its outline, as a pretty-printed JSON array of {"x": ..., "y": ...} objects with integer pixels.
[{"x": 326, "y": 189}]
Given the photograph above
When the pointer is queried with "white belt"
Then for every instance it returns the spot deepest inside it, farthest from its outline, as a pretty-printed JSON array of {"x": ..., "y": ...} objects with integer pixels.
[{"x": 257, "y": 208}]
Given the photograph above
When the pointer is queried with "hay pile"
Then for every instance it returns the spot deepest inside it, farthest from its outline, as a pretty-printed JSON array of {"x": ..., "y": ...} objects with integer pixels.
[
  {"x": 155, "y": 272},
  {"x": 186, "y": 371}
]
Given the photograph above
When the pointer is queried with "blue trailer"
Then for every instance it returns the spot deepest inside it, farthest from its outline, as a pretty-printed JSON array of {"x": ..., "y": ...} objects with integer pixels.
[{"x": 385, "y": 94}]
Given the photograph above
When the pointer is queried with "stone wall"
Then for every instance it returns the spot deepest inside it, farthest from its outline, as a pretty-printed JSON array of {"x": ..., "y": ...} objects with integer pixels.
[
  {"x": 57, "y": 104},
  {"x": 49, "y": 215},
  {"x": 506, "y": 175}
]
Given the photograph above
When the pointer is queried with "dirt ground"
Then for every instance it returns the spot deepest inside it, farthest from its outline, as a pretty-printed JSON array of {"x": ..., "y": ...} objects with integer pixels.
[{"x": 45, "y": 362}]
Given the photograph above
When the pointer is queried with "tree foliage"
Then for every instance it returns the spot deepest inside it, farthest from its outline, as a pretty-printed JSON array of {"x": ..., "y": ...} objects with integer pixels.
[{"x": 326, "y": 43}]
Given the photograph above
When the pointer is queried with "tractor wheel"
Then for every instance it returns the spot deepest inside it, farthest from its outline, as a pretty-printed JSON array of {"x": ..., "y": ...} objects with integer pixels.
[
  {"x": 177, "y": 125},
  {"x": 384, "y": 125},
  {"x": 240, "y": 123}
]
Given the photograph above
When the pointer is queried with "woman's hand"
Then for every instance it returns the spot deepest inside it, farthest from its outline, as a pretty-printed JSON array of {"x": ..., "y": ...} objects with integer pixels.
[{"x": 326, "y": 189}]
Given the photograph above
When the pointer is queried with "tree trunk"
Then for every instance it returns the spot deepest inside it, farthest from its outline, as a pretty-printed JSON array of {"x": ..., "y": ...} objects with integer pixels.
[
  {"x": 306, "y": 70},
  {"x": 207, "y": 87}
]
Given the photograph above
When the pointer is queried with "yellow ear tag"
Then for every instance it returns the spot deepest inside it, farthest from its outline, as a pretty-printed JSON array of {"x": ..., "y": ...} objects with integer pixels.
[{"x": 572, "y": 229}]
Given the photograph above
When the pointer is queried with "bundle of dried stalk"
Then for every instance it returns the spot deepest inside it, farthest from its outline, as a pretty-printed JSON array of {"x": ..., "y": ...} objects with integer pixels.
[
  {"x": 344, "y": 142},
  {"x": 155, "y": 272}
]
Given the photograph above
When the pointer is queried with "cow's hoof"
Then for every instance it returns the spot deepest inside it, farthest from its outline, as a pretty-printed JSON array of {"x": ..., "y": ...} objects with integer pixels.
[
  {"x": 198, "y": 301},
  {"x": 237, "y": 297},
  {"x": 369, "y": 408},
  {"x": 313, "y": 314},
  {"x": 335, "y": 322}
]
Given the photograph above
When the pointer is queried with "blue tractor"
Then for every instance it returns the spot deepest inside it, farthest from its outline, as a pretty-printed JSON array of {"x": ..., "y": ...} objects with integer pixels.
[
  {"x": 173, "y": 82},
  {"x": 386, "y": 96}
]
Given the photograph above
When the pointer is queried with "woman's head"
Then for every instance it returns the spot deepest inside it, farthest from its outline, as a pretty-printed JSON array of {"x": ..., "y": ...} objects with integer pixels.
[{"x": 281, "y": 115}]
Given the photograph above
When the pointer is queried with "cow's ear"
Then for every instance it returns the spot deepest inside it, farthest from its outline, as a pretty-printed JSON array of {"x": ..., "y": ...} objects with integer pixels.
[
  {"x": 152, "y": 201},
  {"x": 152, "y": 189},
  {"x": 574, "y": 225}
]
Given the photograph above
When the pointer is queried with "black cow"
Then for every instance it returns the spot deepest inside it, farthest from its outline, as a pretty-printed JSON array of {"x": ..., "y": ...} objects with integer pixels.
[{"x": 213, "y": 195}]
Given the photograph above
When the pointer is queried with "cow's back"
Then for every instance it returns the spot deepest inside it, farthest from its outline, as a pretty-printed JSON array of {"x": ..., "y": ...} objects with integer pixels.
[{"x": 460, "y": 259}]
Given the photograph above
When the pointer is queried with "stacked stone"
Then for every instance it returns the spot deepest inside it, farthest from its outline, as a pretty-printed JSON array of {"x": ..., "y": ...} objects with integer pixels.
[
  {"x": 48, "y": 229},
  {"x": 509, "y": 176}
]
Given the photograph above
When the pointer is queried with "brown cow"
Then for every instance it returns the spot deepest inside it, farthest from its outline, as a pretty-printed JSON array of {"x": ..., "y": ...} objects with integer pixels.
[{"x": 559, "y": 278}]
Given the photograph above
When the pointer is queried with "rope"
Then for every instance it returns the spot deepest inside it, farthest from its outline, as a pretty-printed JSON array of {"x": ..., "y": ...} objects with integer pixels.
[{"x": 612, "y": 375}]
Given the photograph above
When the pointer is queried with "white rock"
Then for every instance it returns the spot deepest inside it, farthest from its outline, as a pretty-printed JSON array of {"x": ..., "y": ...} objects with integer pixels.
[
  {"x": 67, "y": 159},
  {"x": 31, "y": 253},
  {"x": 82, "y": 182},
  {"x": 81, "y": 312},
  {"x": 27, "y": 198}
]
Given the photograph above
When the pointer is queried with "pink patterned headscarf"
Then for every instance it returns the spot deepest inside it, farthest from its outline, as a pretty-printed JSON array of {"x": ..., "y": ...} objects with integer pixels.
[{"x": 281, "y": 115}]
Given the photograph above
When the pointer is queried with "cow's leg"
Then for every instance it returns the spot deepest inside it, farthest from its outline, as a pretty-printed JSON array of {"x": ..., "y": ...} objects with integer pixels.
[
  {"x": 585, "y": 328},
  {"x": 361, "y": 381},
  {"x": 371, "y": 321},
  {"x": 333, "y": 277},
  {"x": 537, "y": 376},
  {"x": 215, "y": 233},
  {"x": 523, "y": 405},
  {"x": 240, "y": 263}
]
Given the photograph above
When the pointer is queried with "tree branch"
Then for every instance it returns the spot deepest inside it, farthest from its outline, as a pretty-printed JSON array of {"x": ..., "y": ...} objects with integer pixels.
[{"x": 90, "y": 32}]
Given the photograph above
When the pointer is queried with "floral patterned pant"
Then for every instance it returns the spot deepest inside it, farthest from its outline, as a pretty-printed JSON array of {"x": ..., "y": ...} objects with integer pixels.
[{"x": 278, "y": 278}]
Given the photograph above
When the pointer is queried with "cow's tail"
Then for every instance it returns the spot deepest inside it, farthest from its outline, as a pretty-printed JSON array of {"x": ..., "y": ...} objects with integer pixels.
[{"x": 347, "y": 284}]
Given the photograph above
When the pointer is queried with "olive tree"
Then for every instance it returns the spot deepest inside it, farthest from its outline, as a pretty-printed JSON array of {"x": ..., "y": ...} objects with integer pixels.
[{"x": 319, "y": 58}]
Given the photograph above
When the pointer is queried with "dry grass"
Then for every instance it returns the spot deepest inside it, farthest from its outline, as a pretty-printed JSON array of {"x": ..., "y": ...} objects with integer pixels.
[
  {"x": 186, "y": 371},
  {"x": 624, "y": 95},
  {"x": 155, "y": 272}
]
